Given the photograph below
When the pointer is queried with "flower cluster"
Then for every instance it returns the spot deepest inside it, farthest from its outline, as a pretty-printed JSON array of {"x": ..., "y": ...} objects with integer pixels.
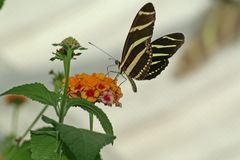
[{"x": 95, "y": 88}]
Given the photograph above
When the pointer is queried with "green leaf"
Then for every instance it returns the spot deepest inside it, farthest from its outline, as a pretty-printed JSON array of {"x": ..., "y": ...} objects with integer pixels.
[
  {"x": 23, "y": 152},
  {"x": 46, "y": 130},
  {"x": 44, "y": 146},
  {"x": 91, "y": 108},
  {"x": 49, "y": 120},
  {"x": 68, "y": 152},
  {"x": 1, "y": 3},
  {"x": 81, "y": 144},
  {"x": 98, "y": 157},
  {"x": 35, "y": 91},
  {"x": 7, "y": 145}
]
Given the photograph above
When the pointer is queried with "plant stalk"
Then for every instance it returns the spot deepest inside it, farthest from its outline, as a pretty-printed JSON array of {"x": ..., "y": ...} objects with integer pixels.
[
  {"x": 33, "y": 123},
  {"x": 14, "y": 125},
  {"x": 91, "y": 121},
  {"x": 66, "y": 63}
]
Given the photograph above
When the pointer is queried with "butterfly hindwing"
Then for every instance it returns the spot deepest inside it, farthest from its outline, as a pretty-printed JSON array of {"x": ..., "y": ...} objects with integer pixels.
[
  {"x": 138, "y": 43},
  {"x": 162, "y": 49}
]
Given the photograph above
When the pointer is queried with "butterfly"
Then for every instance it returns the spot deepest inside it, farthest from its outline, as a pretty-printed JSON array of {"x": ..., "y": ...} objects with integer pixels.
[{"x": 141, "y": 58}]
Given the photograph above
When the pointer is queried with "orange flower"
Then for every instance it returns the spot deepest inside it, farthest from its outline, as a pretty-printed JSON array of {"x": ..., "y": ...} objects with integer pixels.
[
  {"x": 90, "y": 94},
  {"x": 73, "y": 82},
  {"x": 101, "y": 76},
  {"x": 101, "y": 86},
  {"x": 95, "y": 88},
  {"x": 15, "y": 100}
]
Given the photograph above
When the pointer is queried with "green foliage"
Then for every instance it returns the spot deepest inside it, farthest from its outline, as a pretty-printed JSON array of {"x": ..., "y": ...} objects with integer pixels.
[
  {"x": 1, "y": 3},
  {"x": 61, "y": 142},
  {"x": 57, "y": 80},
  {"x": 91, "y": 108},
  {"x": 43, "y": 146},
  {"x": 23, "y": 152},
  {"x": 7, "y": 145},
  {"x": 84, "y": 144},
  {"x": 35, "y": 91},
  {"x": 80, "y": 144},
  {"x": 98, "y": 157},
  {"x": 11, "y": 152}
]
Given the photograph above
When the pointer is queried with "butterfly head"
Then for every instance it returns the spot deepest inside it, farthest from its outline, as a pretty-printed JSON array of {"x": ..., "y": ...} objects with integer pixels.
[{"x": 117, "y": 62}]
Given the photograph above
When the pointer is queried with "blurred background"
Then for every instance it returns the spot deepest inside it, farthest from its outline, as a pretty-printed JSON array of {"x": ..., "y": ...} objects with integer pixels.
[{"x": 190, "y": 112}]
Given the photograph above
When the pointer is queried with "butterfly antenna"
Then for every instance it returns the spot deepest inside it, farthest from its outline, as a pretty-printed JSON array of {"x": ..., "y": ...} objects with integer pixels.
[{"x": 103, "y": 51}]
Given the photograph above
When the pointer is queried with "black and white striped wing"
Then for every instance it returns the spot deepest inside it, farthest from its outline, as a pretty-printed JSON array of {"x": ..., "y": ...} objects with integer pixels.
[
  {"x": 136, "y": 55},
  {"x": 162, "y": 49}
]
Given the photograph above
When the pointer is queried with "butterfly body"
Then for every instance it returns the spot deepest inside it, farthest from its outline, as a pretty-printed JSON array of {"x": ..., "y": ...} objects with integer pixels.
[{"x": 143, "y": 59}]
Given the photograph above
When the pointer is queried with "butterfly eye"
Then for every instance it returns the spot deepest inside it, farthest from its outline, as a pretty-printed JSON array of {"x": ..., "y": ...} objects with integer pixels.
[{"x": 117, "y": 62}]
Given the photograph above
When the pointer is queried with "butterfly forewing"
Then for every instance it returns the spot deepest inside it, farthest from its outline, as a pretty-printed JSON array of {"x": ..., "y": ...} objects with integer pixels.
[
  {"x": 138, "y": 43},
  {"x": 162, "y": 49}
]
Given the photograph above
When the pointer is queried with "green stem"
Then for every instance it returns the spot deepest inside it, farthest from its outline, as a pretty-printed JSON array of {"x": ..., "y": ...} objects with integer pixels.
[
  {"x": 62, "y": 112},
  {"x": 14, "y": 150},
  {"x": 66, "y": 63},
  {"x": 91, "y": 121},
  {"x": 14, "y": 124},
  {"x": 33, "y": 123}
]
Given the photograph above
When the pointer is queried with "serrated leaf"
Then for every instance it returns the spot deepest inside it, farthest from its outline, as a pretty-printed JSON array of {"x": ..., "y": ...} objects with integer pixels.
[
  {"x": 35, "y": 91},
  {"x": 83, "y": 144},
  {"x": 44, "y": 146},
  {"x": 80, "y": 144},
  {"x": 91, "y": 108}
]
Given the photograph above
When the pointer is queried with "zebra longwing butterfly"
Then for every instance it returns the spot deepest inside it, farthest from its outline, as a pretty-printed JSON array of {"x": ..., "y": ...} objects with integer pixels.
[{"x": 141, "y": 58}]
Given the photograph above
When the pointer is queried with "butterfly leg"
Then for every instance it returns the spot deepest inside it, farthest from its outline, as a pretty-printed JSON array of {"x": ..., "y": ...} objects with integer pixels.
[
  {"x": 125, "y": 79},
  {"x": 134, "y": 87},
  {"x": 117, "y": 75},
  {"x": 114, "y": 72},
  {"x": 108, "y": 69}
]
